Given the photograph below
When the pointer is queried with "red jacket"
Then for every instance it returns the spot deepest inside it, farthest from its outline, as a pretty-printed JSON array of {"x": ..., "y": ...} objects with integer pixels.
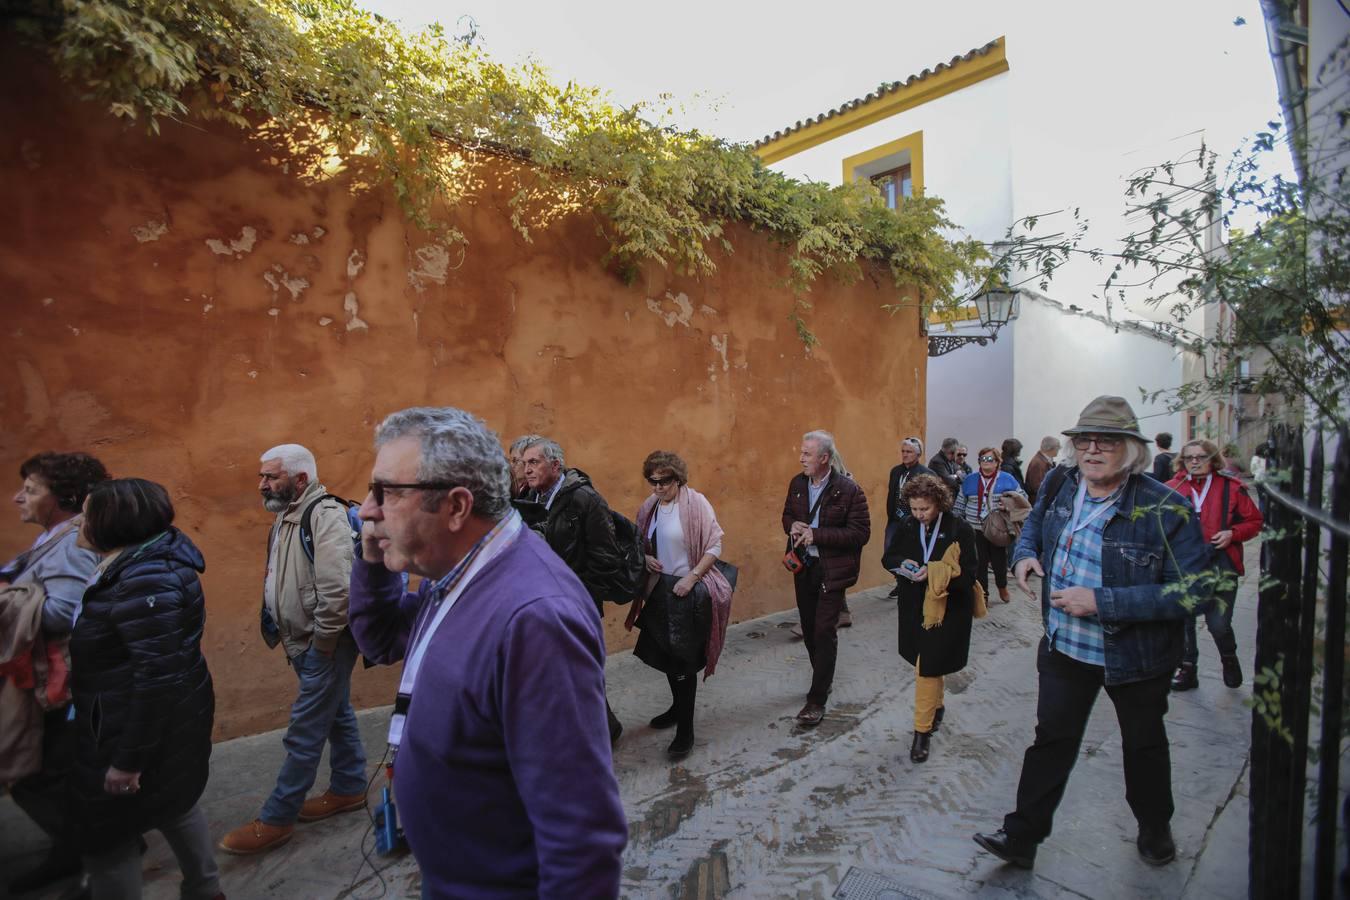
[{"x": 1244, "y": 517}]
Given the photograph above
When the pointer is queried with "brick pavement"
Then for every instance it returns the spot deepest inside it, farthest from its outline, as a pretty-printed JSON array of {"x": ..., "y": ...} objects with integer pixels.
[{"x": 762, "y": 808}]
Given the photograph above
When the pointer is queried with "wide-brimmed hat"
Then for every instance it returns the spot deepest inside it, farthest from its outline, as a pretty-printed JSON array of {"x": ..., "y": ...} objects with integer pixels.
[{"x": 1108, "y": 415}]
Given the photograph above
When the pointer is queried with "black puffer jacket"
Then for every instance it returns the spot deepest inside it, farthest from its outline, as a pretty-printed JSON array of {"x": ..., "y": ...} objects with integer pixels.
[
  {"x": 579, "y": 529},
  {"x": 143, "y": 696}
]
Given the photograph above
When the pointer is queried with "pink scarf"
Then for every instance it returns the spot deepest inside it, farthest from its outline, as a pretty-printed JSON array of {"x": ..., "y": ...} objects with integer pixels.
[{"x": 701, "y": 533}]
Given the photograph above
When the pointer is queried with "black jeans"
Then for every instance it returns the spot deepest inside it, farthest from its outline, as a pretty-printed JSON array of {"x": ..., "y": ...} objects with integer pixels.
[
  {"x": 45, "y": 795},
  {"x": 1219, "y": 621},
  {"x": 987, "y": 554},
  {"x": 1068, "y": 690},
  {"x": 819, "y": 610}
]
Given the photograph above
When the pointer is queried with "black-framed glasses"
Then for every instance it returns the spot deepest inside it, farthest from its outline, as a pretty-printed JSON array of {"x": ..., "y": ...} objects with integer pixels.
[
  {"x": 377, "y": 488},
  {"x": 962, "y": 455},
  {"x": 1103, "y": 442},
  {"x": 661, "y": 482}
]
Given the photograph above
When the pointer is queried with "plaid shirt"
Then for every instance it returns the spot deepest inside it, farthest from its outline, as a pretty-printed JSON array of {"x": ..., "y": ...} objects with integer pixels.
[{"x": 1080, "y": 565}]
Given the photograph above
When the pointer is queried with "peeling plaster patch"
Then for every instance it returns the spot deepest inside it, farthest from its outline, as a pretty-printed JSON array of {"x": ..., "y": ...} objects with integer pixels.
[
  {"x": 236, "y": 247},
  {"x": 683, "y": 309},
  {"x": 207, "y": 308},
  {"x": 299, "y": 238},
  {"x": 720, "y": 345},
  {"x": 707, "y": 310},
  {"x": 150, "y": 231},
  {"x": 73, "y": 330},
  {"x": 433, "y": 261},
  {"x": 48, "y": 301},
  {"x": 355, "y": 264},
  {"x": 274, "y": 312},
  {"x": 350, "y": 306},
  {"x": 283, "y": 279},
  {"x": 253, "y": 373},
  {"x": 318, "y": 232},
  {"x": 325, "y": 321}
]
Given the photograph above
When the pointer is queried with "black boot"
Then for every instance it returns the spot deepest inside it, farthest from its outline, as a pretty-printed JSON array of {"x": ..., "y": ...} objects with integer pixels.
[
  {"x": 1232, "y": 671},
  {"x": 1156, "y": 845},
  {"x": 615, "y": 726},
  {"x": 1185, "y": 679},
  {"x": 918, "y": 751},
  {"x": 686, "y": 687},
  {"x": 670, "y": 717},
  {"x": 938, "y": 716}
]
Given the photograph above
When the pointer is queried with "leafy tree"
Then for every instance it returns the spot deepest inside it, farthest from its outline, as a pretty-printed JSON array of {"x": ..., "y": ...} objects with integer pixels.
[{"x": 337, "y": 89}]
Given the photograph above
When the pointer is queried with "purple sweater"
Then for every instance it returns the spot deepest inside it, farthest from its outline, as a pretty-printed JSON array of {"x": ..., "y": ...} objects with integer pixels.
[{"x": 504, "y": 780}]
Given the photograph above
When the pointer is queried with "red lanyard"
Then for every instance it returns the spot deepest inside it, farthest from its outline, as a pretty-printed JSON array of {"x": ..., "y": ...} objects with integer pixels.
[{"x": 986, "y": 488}]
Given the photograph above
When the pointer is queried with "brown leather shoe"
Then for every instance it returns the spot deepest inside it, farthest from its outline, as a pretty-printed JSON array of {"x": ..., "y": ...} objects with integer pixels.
[
  {"x": 330, "y": 804},
  {"x": 1003, "y": 595},
  {"x": 256, "y": 837},
  {"x": 811, "y": 715}
]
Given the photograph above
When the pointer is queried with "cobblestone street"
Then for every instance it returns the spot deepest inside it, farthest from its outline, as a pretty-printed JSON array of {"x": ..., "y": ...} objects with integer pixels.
[{"x": 765, "y": 809}]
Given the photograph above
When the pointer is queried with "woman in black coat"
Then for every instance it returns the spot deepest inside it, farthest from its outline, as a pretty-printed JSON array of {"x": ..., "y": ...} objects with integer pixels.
[
  {"x": 934, "y": 631},
  {"x": 143, "y": 697}
]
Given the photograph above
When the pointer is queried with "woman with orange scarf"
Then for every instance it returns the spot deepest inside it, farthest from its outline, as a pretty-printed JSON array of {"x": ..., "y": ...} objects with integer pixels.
[
  {"x": 934, "y": 560},
  {"x": 684, "y": 609}
]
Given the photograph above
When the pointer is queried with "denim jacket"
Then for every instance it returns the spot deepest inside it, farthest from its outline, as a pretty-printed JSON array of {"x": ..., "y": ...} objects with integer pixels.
[{"x": 1149, "y": 546}]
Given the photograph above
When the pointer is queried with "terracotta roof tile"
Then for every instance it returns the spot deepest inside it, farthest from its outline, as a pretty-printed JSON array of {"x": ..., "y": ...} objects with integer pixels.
[{"x": 882, "y": 91}]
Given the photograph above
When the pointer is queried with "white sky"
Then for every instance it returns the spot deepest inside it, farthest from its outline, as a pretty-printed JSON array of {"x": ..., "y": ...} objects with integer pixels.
[
  {"x": 744, "y": 70},
  {"x": 1124, "y": 84}
]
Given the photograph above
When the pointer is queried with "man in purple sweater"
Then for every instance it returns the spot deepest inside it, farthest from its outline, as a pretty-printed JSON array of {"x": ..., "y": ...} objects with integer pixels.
[{"x": 504, "y": 779}]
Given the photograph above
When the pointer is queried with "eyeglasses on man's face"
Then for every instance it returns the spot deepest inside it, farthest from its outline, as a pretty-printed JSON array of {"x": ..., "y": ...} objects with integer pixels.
[
  {"x": 378, "y": 489},
  {"x": 1104, "y": 442},
  {"x": 960, "y": 455},
  {"x": 661, "y": 482}
]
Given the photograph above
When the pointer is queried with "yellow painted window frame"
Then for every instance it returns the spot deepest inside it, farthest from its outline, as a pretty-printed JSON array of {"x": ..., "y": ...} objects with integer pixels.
[{"x": 911, "y": 142}]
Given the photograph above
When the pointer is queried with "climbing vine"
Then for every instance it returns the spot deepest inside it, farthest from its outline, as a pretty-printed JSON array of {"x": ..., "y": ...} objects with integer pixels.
[{"x": 342, "y": 90}]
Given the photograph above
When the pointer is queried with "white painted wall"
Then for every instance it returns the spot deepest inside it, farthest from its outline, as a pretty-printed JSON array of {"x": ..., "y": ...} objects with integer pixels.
[
  {"x": 967, "y": 157},
  {"x": 1064, "y": 360},
  {"x": 1037, "y": 377}
]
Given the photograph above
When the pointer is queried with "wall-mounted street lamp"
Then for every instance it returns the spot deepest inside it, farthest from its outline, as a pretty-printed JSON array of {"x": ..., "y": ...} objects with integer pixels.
[{"x": 994, "y": 307}]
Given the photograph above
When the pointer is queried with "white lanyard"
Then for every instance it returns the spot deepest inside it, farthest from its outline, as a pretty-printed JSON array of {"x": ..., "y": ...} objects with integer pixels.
[
  {"x": 1198, "y": 500},
  {"x": 1076, "y": 525},
  {"x": 493, "y": 543},
  {"x": 927, "y": 545}
]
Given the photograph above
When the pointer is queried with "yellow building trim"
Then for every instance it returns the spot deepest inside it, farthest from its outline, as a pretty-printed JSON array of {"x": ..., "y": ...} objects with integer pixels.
[
  {"x": 952, "y": 316},
  {"x": 911, "y": 142},
  {"x": 962, "y": 74}
]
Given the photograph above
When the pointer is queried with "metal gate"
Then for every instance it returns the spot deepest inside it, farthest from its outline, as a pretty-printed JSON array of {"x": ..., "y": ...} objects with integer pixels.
[{"x": 1303, "y": 577}]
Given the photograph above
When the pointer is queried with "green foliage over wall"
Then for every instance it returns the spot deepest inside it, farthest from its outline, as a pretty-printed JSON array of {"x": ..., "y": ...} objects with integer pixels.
[{"x": 344, "y": 90}]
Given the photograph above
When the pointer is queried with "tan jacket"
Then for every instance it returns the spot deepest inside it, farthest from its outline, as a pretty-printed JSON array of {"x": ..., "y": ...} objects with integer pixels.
[
  {"x": 311, "y": 599},
  {"x": 20, "y": 714}
]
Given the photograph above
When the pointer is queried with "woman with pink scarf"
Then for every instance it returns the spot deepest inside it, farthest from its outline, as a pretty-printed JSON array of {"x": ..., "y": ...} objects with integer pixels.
[{"x": 684, "y": 610}]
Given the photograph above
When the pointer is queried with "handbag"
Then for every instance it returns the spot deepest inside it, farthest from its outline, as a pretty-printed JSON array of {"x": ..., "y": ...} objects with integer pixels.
[{"x": 798, "y": 562}]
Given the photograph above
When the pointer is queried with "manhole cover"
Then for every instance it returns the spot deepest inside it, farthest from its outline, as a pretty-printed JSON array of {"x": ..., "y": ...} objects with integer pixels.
[{"x": 860, "y": 884}]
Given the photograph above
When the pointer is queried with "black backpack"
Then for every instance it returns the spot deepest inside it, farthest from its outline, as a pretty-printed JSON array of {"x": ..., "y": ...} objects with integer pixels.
[{"x": 632, "y": 571}]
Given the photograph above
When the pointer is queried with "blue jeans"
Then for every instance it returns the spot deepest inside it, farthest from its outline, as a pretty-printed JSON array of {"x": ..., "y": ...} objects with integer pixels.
[
  {"x": 1219, "y": 621},
  {"x": 321, "y": 712}
]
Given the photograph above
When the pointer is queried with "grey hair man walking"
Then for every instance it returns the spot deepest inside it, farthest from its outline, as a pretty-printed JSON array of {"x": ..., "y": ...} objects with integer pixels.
[{"x": 309, "y": 564}]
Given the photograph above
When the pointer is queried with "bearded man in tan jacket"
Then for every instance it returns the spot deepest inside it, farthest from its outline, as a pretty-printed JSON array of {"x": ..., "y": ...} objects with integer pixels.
[{"x": 309, "y": 564}]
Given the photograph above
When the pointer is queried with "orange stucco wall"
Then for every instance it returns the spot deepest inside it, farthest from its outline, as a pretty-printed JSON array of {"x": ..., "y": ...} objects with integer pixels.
[{"x": 177, "y": 304}]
